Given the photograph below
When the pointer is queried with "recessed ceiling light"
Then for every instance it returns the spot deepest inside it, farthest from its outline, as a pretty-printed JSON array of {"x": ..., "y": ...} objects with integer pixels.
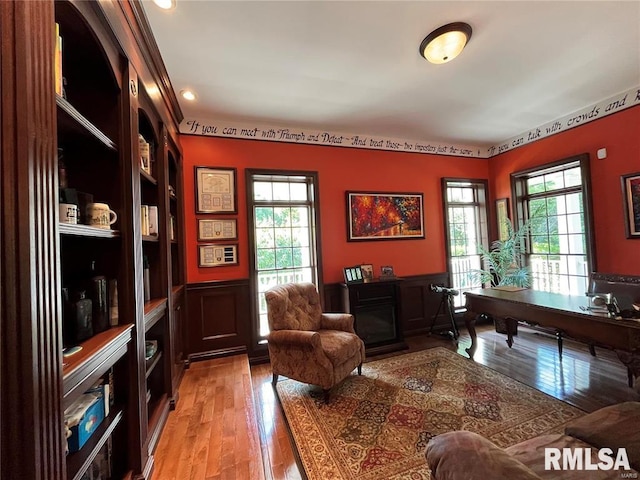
[
  {"x": 165, "y": 4},
  {"x": 188, "y": 95},
  {"x": 445, "y": 43}
]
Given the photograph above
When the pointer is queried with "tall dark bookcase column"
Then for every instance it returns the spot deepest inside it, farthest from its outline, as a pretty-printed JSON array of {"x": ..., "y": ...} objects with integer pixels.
[{"x": 78, "y": 146}]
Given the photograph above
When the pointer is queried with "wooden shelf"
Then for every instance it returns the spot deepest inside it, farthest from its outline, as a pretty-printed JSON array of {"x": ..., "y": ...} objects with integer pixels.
[
  {"x": 153, "y": 311},
  {"x": 153, "y": 362},
  {"x": 87, "y": 231},
  {"x": 148, "y": 177},
  {"x": 158, "y": 412},
  {"x": 70, "y": 117},
  {"x": 176, "y": 290},
  {"x": 78, "y": 462},
  {"x": 150, "y": 238},
  {"x": 81, "y": 370}
]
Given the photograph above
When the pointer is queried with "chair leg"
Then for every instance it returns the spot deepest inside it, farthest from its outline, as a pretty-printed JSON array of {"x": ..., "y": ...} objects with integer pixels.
[
  {"x": 274, "y": 380},
  {"x": 327, "y": 392},
  {"x": 360, "y": 369}
]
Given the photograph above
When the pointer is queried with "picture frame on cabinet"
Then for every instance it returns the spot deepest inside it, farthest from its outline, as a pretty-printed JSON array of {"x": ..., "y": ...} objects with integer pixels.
[
  {"x": 384, "y": 216},
  {"x": 217, "y": 255},
  {"x": 217, "y": 229},
  {"x": 353, "y": 274},
  {"x": 367, "y": 272},
  {"x": 215, "y": 190},
  {"x": 631, "y": 198}
]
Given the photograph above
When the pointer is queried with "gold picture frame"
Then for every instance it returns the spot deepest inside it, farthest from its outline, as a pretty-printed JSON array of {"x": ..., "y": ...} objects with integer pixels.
[
  {"x": 502, "y": 216},
  {"x": 217, "y": 229},
  {"x": 216, "y": 190},
  {"x": 217, "y": 255}
]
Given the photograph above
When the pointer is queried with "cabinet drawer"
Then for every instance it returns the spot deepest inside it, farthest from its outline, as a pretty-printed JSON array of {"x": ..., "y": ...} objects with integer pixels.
[{"x": 367, "y": 293}]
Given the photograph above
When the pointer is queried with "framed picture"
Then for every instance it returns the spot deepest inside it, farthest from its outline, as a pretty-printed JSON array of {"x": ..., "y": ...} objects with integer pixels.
[
  {"x": 386, "y": 271},
  {"x": 367, "y": 272},
  {"x": 384, "y": 216},
  {"x": 353, "y": 274},
  {"x": 631, "y": 195},
  {"x": 217, "y": 255},
  {"x": 502, "y": 215},
  {"x": 215, "y": 190},
  {"x": 217, "y": 229}
]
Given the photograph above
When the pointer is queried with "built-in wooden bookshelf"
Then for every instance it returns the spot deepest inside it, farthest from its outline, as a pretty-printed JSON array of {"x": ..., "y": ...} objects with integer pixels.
[{"x": 79, "y": 145}]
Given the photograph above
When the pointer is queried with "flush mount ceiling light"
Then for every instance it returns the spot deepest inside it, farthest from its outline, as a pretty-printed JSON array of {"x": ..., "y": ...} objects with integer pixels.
[
  {"x": 165, "y": 4},
  {"x": 188, "y": 95},
  {"x": 445, "y": 43}
]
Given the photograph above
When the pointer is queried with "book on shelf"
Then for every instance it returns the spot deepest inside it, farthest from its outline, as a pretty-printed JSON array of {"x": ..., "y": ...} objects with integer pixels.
[
  {"x": 145, "y": 154},
  {"x": 153, "y": 220},
  {"x": 144, "y": 219},
  {"x": 58, "y": 61}
]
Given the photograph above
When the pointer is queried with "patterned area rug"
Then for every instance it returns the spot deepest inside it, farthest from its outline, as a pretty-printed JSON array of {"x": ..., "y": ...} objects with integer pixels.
[{"x": 377, "y": 425}]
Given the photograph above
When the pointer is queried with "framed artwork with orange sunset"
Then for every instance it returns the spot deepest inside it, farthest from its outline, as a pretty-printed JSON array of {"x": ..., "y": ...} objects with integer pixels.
[{"x": 384, "y": 216}]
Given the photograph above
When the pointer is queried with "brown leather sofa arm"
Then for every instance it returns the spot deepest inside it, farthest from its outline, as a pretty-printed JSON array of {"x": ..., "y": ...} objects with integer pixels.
[
  {"x": 463, "y": 455},
  {"x": 294, "y": 338},
  {"x": 337, "y": 321}
]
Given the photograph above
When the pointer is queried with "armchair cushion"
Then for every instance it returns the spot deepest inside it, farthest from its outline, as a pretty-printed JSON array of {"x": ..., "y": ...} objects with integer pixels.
[
  {"x": 294, "y": 306},
  {"x": 337, "y": 321},
  {"x": 338, "y": 345}
]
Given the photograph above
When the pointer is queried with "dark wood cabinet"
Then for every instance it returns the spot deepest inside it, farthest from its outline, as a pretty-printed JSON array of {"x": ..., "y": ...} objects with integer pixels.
[
  {"x": 76, "y": 146},
  {"x": 375, "y": 306}
]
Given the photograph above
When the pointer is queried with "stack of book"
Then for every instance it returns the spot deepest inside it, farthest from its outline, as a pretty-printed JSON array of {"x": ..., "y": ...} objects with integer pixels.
[{"x": 149, "y": 220}]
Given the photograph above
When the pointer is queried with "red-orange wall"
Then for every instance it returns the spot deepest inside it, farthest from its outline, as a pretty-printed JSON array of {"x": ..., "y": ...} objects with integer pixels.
[
  {"x": 339, "y": 170},
  {"x": 342, "y": 169},
  {"x": 620, "y": 135}
]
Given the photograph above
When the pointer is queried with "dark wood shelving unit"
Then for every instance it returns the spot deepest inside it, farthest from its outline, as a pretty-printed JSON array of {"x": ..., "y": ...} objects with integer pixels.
[
  {"x": 80, "y": 146},
  {"x": 153, "y": 311},
  {"x": 98, "y": 354},
  {"x": 69, "y": 117},
  {"x": 149, "y": 178},
  {"x": 153, "y": 362},
  {"x": 87, "y": 231}
]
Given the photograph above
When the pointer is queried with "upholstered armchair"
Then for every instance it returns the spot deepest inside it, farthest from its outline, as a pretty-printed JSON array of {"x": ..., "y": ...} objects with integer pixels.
[{"x": 308, "y": 345}]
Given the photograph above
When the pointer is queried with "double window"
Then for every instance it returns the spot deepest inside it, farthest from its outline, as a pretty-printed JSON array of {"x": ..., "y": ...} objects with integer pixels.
[
  {"x": 284, "y": 239},
  {"x": 555, "y": 200}
]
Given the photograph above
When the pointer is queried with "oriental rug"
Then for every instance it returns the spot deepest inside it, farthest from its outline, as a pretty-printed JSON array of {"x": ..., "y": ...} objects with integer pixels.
[{"x": 377, "y": 425}]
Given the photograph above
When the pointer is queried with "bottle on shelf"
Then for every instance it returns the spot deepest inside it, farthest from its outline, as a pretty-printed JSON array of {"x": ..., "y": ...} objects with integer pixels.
[
  {"x": 147, "y": 279},
  {"x": 98, "y": 288},
  {"x": 77, "y": 317}
]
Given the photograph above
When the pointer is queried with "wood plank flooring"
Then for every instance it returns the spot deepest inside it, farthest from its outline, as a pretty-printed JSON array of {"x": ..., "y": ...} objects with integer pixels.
[{"x": 219, "y": 432}]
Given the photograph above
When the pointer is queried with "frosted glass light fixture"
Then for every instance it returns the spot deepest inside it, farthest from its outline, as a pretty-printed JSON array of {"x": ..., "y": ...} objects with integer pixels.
[
  {"x": 165, "y": 4},
  {"x": 188, "y": 95},
  {"x": 445, "y": 43}
]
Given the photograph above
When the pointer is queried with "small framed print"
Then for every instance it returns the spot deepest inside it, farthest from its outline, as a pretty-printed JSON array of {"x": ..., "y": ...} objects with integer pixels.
[
  {"x": 367, "y": 272},
  {"x": 386, "y": 271},
  {"x": 217, "y": 229},
  {"x": 215, "y": 190},
  {"x": 631, "y": 197},
  {"x": 353, "y": 274},
  {"x": 217, "y": 255}
]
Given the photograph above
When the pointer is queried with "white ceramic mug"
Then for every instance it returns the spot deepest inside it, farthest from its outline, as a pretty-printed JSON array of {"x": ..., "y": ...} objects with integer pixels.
[
  {"x": 68, "y": 213},
  {"x": 100, "y": 215}
]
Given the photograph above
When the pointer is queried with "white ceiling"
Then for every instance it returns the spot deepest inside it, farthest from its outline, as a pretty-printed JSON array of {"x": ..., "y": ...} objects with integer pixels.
[{"x": 354, "y": 66}]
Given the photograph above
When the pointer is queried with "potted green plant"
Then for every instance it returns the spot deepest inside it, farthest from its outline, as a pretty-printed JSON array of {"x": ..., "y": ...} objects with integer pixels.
[{"x": 503, "y": 261}]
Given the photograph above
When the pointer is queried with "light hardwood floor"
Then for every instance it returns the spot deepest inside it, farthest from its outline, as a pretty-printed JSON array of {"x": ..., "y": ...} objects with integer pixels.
[{"x": 220, "y": 431}]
